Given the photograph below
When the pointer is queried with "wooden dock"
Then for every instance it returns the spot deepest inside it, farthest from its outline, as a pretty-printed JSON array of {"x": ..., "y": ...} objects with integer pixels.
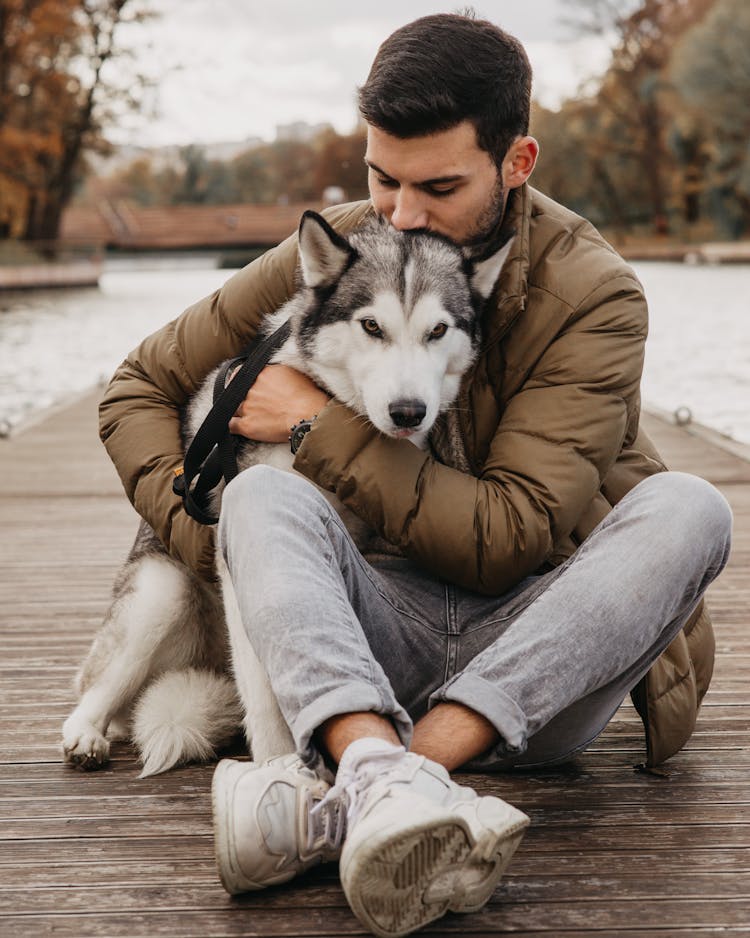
[
  {"x": 610, "y": 852},
  {"x": 80, "y": 273}
]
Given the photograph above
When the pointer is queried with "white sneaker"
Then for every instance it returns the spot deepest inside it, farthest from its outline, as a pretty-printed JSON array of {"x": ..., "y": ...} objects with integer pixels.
[
  {"x": 265, "y": 830},
  {"x": 418, "y": 845}
]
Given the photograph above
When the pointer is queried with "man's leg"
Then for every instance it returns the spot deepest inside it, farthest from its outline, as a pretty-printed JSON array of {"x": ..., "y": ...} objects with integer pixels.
[
  {"x": 550, "y": 682},
  {"x": 416, "y": 843},
  {"x": 303, "y": 591}
]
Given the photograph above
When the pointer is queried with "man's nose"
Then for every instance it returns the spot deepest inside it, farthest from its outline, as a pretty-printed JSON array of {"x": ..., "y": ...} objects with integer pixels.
[{"x": 408, "y": 212}]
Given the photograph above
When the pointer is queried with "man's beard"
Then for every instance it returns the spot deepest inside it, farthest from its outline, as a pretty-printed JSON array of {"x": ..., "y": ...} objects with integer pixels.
[
  {"x": 490, "y": 220},
  {"x": 488, "y": 227}
]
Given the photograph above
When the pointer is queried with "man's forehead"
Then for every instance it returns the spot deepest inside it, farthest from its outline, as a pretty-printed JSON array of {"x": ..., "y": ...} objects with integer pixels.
[{"x": 447, "y": 154}]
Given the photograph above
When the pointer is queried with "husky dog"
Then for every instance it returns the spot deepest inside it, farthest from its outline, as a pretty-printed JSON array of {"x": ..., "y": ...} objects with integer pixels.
[{"x": 386, "y": 322}]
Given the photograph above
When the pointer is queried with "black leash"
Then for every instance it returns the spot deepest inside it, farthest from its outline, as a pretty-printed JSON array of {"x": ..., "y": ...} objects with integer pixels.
[{"x": 212, "y": 454}]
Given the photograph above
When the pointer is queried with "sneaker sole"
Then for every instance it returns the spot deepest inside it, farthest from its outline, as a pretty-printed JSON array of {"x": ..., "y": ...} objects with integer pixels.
[{"x": 401, "y": 883}]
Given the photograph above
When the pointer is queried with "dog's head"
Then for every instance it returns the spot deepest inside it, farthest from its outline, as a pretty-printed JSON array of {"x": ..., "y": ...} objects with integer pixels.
[{"x": 389, "y": 321}]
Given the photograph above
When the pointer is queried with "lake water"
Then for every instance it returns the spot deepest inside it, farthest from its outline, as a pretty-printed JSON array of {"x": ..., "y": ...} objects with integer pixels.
[{"x": 60, "y": 342}]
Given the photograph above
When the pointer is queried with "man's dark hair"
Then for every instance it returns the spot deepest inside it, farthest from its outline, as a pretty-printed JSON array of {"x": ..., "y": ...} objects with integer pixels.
[{"x": 441, "y": 70}]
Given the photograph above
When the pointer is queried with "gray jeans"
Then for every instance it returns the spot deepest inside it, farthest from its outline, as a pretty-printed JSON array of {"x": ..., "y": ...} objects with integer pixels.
[{"x": 547, "y": 664}]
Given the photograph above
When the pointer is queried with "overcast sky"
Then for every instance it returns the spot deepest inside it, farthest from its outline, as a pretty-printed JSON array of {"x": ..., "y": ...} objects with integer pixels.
[{"x": 231, "y": 69}]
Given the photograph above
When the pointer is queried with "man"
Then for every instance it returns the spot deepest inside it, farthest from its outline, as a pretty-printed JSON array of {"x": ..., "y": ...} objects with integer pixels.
[{"x": 525, "y": 606}]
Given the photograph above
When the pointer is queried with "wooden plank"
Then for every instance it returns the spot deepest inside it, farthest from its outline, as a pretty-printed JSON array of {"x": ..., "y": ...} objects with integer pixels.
[
  {"x": 122, "y": 873},
  {"x": 573, "y": 839},
  {"x": 154, "y": 897},
  {"x": 647, "y": 918},
  {"x": 526, "y": 865},
  {"x": 576, "y": 796},
  {"x": 695, "y": 816},
  {"x": 112, "y": 781}
]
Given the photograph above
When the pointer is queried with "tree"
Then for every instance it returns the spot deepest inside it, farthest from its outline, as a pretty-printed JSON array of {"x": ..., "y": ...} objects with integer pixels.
[
  {"x": 253, "y": 176},
  {"x": 292, "y": 165},
  {"x": 55, "y": 96},
  {"x": 139, "y": 183},
  {"x": 34, "y": 35},
  {"x": 192, "y": 186},
  {"x": 341, "y": 164},
  {"x": 579, "y": 165},
  {"x": 711, "y": 72},
  {"x": 634, "y": 98},
  {"x": 282, "y": 171}
]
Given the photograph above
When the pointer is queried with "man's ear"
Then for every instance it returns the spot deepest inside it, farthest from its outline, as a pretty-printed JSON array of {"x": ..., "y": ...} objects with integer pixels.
[
  {"x": 519, "y": 161},
  {"x": 324, "y": 254}
]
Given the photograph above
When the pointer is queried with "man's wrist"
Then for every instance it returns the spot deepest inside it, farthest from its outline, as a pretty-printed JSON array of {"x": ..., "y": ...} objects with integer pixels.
[{"x": 299, "y": 431}]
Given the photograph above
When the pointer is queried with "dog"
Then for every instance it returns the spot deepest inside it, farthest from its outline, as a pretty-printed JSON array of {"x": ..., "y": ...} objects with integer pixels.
[{"x": 387, "y": 322}]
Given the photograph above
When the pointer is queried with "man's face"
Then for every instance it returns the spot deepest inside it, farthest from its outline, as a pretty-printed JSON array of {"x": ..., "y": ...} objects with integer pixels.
[{"x": 442, "y": 182}]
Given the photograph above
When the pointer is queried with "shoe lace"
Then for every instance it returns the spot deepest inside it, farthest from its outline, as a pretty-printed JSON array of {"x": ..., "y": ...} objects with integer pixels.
[
  {"x": 354, "y": 784},
  {"x": 326, "y": 826}
]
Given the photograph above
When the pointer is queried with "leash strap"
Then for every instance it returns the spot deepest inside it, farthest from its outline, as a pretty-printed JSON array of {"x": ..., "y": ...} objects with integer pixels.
[{"x": 212, "y": 454}]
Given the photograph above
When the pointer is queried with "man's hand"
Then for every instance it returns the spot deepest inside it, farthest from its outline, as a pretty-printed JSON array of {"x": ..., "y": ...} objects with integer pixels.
[{"x": 281, "y": 397}]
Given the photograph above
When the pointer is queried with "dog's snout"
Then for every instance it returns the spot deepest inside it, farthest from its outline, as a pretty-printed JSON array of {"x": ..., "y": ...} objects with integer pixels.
[{"x": 407, "y": 413}]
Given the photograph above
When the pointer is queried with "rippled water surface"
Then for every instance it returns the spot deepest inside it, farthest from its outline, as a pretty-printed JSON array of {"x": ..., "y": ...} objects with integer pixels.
[
  {"x": 58, "y": 342},
  {"x": 54, "y": 343}
]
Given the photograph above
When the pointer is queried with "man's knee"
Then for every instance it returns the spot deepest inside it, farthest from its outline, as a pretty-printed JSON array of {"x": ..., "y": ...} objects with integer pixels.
[
  {"x": 248, "y": 485},
  {"x": 264, "y": 486},
  {"x": 262, "y": 498},
  {"x": 690, "y": 509}
]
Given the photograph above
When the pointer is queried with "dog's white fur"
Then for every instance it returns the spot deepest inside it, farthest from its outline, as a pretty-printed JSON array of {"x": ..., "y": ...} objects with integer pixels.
[{"x": 159, "y": 668}]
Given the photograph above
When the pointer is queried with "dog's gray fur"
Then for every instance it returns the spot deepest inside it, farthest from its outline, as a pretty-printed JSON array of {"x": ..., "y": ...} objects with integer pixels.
[{"x": 158, "y": 671}]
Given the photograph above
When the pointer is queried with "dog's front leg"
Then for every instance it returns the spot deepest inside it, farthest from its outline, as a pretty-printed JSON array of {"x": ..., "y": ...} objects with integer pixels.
[
  {"x": 266, "y": 729},
  {"x": 84, "y": 742}
]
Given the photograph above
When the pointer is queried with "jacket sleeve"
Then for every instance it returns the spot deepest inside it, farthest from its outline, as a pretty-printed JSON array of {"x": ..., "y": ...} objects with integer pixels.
[
  {"x": 556, "y": 440},
  {"x": 140, "y": 412}
]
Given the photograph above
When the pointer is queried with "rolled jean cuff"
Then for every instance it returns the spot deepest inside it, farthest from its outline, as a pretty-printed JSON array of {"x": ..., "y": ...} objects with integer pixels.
[
  {"x": 490, "y": 702},
  {"x": 348, "y": 698}
]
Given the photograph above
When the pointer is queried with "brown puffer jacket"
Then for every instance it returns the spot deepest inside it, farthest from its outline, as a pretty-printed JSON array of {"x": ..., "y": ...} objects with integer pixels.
[{"x": 549, "y": 423}]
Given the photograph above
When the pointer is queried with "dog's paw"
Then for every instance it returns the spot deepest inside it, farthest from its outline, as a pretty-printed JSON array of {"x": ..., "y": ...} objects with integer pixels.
[{"x": 84, "y": 746}]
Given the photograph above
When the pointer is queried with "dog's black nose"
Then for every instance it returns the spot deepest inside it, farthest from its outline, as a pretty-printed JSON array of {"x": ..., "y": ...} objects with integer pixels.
[{"x": 407, "y": 413}]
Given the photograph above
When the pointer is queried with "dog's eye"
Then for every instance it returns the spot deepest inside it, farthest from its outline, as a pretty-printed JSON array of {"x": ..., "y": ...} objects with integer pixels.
[
  {"x": 439, "y": 331},
  {"x": 372, "y": 328}
]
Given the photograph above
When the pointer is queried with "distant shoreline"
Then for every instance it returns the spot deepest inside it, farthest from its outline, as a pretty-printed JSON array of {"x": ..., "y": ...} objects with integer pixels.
[
  {"x": 79, "y": 273},
  {"x": 714, "y": 252},
  {"x": 88, "y": 273}
]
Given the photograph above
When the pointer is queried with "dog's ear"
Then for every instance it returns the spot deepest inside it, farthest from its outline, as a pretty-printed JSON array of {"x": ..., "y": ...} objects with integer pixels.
[
  {"x": 485, "y": 270},
  {"x": 324, "y": 254}
]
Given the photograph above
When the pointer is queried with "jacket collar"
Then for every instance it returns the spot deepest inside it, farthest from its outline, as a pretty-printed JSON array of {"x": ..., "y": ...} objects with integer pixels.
[{"x": 512, "y": 289}]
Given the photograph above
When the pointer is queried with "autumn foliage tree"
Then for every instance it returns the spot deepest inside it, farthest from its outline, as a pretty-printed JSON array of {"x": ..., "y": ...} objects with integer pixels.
[
  {"x": 55, "y": 98},
  {"x": 621, "y": 133},
  {"x": 341, "y": 164},
  {"x": 285, "y": 171},
  {"x": 711, "y": 69}
]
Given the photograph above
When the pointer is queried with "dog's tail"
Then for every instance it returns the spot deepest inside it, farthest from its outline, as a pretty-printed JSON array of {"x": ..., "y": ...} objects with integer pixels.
[{"x": 185, "y": 716}]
